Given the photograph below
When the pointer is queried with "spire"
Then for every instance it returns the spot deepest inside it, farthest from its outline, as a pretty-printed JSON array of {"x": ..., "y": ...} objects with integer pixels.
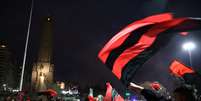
[
  {"x": 43, "y": 69},
  {"x": 45, "y": 50}
]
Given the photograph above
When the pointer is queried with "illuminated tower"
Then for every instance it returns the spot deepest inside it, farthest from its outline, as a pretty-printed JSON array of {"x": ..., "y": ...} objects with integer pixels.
[{"x": 42, "y": 72}]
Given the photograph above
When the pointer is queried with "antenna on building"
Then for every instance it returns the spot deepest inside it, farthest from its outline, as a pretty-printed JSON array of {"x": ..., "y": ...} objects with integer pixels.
[{"x": 26, "y": 45}]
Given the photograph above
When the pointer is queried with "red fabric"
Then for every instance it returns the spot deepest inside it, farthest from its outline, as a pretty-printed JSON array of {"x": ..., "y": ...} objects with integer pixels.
[
  {"x": 52, "y": 92},
  {"x": 20, "y": 95},
  {"x": 144, "y": 42},
  {"x": 155, "y": 86},
  {"x": 108, "y": 94},
  {"x": 120, "y": 37},
  {"x": 179, "y": 69},
  {"x": 28, "y": 99},
  {"x": 118, "y": 98},
  {"x": 91, "y": 98},
  {"x": 184, "y": 33}
]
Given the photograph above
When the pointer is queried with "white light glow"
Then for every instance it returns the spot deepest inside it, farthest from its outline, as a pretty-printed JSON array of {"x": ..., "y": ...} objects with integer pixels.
[
  {"x": 189, "y": 46},
  {"x": 3, "y": 46},
  {"x": 62, "y": 85},
  {"x": 42, "y": 78},
  {"x": 64, "y": 92}
]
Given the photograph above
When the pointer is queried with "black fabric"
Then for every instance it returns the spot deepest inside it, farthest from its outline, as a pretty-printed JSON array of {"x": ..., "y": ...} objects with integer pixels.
[
  {"x": 131, "y": 68},
  {"x": 193, "y": 79},
  {"x": 162, "y": 40},
  {"x": 130, "y": 41},
  {"x": 150, "y": 95},
  {"x": 136, "y": 35}
]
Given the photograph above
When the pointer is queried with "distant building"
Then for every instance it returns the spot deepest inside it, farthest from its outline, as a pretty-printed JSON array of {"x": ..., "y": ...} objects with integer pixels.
[
  {"x": 43, "y": 69},
  {"x": 9, "y": 75}
]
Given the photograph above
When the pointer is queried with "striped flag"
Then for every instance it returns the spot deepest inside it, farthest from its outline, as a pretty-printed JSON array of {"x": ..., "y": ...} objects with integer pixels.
[{"x": 129, "y": 49}]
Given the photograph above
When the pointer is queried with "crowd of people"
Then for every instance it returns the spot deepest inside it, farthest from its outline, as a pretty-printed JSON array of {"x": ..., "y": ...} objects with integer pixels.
[
  {"x": 182, "y": 93},
  {"x": 188, "y": 90}
]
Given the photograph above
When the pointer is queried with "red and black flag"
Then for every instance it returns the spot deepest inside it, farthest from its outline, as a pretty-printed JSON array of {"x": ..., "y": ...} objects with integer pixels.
[
  {"x": 179, "y": 69},
  {"x": 189, "y": 75},
  {"x": 129, "y": 49}
]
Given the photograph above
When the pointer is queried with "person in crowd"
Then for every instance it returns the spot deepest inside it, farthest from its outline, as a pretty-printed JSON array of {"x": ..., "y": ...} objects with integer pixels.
[
  {"x": 186, "y": 74},
  {"x": 185, "y": 93},
  {"x": 182, "y": 93}
]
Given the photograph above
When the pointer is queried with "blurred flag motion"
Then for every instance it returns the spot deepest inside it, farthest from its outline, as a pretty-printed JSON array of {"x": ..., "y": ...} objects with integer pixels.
[{"x": 130, "y": 48}]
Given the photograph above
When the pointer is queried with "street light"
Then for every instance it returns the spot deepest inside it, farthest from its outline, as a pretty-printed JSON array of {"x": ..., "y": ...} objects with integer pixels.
[
  {"x": 26, "y": 46},
  {"x": 189, "y": 46}
]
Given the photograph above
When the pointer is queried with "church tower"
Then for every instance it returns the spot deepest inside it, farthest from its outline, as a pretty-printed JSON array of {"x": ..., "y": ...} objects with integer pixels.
[{"x": 43, "y": 69}]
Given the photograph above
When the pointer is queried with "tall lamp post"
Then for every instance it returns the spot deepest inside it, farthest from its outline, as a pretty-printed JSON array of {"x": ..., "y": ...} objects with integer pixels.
[
  {"x": 189, "y": 46},
  {"x": 26, "y": 46}
]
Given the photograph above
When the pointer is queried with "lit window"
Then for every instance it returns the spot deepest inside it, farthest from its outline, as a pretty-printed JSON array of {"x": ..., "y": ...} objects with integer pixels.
[
  {"x": 3, "y": 46},
  {"x": 48, "y": 19}
]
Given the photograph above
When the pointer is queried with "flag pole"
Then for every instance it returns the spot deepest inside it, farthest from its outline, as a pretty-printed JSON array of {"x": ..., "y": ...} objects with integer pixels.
[{"x": 26, "y": 45}]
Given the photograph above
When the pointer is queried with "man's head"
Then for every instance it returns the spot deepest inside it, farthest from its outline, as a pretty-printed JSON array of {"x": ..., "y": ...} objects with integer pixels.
[{"x": 185, "y": 93}]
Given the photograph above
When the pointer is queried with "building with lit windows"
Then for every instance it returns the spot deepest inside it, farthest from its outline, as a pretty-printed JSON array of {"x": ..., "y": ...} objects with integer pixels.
[{"x": 9, "y": 75}]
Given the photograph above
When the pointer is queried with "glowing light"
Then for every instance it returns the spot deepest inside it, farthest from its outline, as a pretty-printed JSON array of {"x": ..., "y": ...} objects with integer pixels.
[
  {"x": 3, "y": 46},
  {"x": 64, "y": 92},
  {"x": 48, "y": 19},
  {"x": 127, "y": 94},
  {"x": 62, "y": 85},
  {"x": 4, "y": 85},
  {"x": 189, "y": 46},
  {"x": 15, "y": 90},
  {"x": 133, "y": 100},
  {"x": 42, "y": 78}
]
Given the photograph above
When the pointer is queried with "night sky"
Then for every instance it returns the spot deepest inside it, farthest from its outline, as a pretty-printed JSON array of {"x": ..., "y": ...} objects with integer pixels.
[{"x": 82, "y": 27}]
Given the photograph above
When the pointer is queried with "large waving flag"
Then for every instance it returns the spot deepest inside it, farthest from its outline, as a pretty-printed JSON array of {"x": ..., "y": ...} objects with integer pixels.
[{"x": 129, "y": 49}]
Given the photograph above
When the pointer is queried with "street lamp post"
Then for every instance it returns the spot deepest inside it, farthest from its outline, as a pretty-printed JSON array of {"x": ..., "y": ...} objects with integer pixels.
[
  {"x": 26, "y": 46},
  {"x": 189, "y": 46}
]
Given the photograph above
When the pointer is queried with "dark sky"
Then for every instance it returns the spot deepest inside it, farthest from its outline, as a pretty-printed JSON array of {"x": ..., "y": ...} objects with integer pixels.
[{"x": 82, "y": 27}]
